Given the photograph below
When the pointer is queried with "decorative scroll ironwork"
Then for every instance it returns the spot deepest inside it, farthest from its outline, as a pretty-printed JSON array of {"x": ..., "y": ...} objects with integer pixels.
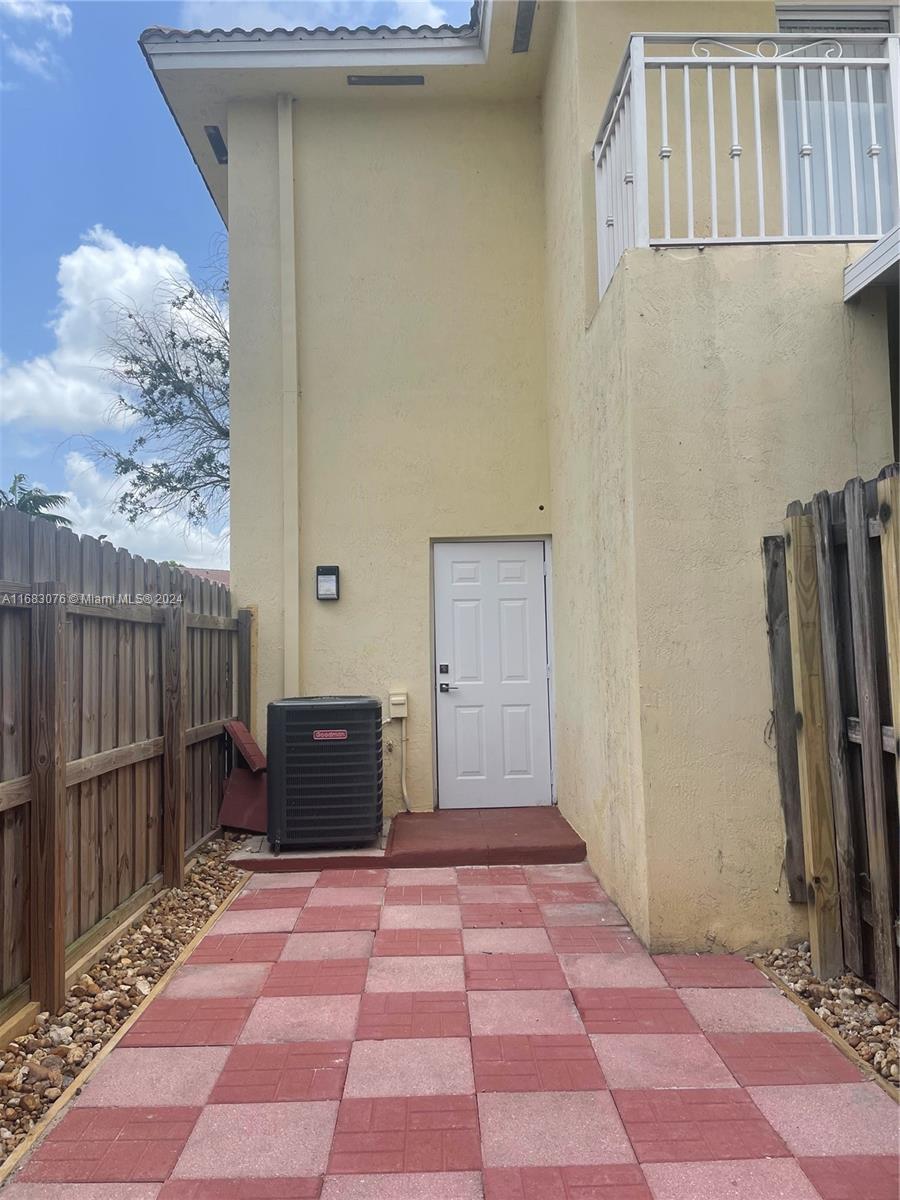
[{"x": 765, "y": 50}]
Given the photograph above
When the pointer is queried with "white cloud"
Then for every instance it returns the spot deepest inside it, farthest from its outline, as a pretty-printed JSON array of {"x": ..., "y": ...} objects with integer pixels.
[
  {"x": 54, "y": 16},
  {"x": 37, "y": 57},
  {"x": 288, "y": 14},
  {"x": 68, "y": 389},
  {"x": 92, "y": 509},
  {"x": 40, "y": 59}
]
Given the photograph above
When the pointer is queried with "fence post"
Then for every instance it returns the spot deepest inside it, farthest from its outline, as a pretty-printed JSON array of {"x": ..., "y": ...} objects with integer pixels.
[
  {"x": 245, "y": 666},
  {"x": 783, "y": 712},
  {"x": 812, "y": 753},
  {"x": 862, "y": 612},
  {"x": 889, "y": 512},
  {"x": 174, "y": 753},
  {"x": 48, "y": 797}
]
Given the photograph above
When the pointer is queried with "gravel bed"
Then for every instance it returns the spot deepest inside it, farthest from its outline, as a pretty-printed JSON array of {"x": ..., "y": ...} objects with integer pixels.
[
  {"x": 36, "y": 1067},
  {"x": 853, "y": 1009}
]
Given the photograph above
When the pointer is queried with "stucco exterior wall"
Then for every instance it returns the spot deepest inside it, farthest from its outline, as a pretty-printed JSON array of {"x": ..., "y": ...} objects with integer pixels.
[
  {"x": 707, "y": 390},
  {"x": 750, "y": 383},
  {"x": 422, "y": 378}
]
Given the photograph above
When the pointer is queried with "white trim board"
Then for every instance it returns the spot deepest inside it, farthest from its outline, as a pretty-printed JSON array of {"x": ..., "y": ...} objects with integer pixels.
[{"x": 879, "y": 265}]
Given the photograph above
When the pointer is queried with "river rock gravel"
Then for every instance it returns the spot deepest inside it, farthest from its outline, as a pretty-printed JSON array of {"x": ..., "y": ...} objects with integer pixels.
[
  {"x": 36, "y": 1067},
  {"x": 853, "y": 1009}
]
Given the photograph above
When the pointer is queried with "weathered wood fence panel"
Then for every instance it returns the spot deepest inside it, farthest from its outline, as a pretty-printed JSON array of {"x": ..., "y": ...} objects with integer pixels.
[
  {"x": 89, "y": 732},
  {"x": 843, "y": 578}
]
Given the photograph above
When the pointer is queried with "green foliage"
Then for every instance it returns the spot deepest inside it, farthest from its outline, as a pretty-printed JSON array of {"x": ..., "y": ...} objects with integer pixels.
[
  {"x": 172, "y": 363},
  {"x": 34, "y": 501}
]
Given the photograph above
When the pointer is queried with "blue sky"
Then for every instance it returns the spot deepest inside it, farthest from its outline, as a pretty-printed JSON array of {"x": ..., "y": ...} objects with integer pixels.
[{"x": 101, "y": 201}]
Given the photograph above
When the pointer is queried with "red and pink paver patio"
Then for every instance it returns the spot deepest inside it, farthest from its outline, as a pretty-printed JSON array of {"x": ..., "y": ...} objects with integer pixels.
[{"x": 478, "y": 1033}]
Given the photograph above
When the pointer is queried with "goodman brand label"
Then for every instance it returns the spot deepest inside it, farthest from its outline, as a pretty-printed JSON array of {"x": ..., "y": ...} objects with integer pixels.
[{"x": 330, "y": 735}]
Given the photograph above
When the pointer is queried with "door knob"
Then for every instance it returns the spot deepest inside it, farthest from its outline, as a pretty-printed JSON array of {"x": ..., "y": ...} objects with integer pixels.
[{"x": 448, "y": 687}]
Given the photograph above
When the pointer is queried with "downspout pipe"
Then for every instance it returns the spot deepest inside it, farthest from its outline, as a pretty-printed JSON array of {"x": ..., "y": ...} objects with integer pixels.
[{"x": 290, "y": 398}]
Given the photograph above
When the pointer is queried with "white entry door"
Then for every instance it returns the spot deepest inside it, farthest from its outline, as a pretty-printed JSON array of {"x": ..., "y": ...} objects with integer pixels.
[{"x": 491, "y": 674}]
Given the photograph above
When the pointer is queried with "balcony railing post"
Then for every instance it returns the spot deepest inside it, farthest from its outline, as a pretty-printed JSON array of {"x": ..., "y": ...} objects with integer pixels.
[
  {"x": 639, "y": 160},
  {"x": 893, "y": 50}
]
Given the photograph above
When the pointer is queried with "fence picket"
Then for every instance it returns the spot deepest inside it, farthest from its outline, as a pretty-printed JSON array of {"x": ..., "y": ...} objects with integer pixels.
[
  {"x": 861, "y": 608},
  {"x": 836, "y": 733}
]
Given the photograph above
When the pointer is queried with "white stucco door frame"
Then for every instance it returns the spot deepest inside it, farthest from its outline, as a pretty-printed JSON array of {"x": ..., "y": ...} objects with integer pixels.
[{"x": 492, "y": 672}]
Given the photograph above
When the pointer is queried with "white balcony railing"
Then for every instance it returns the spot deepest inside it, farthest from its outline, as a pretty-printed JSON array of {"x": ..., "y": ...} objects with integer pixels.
[{"x": 748, "y": 138}]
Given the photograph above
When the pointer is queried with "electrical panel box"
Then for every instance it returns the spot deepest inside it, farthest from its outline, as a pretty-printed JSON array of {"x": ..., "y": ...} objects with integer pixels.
[{"x": 397, "y": 705}]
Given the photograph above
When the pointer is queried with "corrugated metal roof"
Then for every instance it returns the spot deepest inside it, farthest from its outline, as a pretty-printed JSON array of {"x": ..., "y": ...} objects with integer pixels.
[{"x": 160, "y": 33}]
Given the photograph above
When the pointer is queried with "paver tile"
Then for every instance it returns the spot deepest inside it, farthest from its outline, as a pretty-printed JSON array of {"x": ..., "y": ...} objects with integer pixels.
[
  {"x": 190, "y": 1022},
  {"x": 327, "y": 918},
  {"x": 307, "y": 1188},
  {"x": 283, "y": 897},
  {"x": 492, "y": 893},
  {"x": 170, "y": 1075},
  {"x": 353, "y": 877},
  {"x": 344, "y": 897},
  {"x": 568, "y": 893},
  {"x": 421, "y": 916},
  {"x": 266, "y": 1074},
  {"x": 742, "y": 1179},
  {"x": 430, "y": 876},
  {"x": 523, "y": 1012},
  {"x": 214, "y": 980},
  {"x": 532, "y": 940},
  {"x": 349, "y": 943},
  {"x": 281, "y": 879},
  {"x": 783, "y": 1058},
  {"x": 599, "y": 912},
  {"x": 501, "y": 916},
  {"x": 632, "y": 1010},
  {"x": 697, "y": 1125},
  {"x": 406, "y": 1134},
  {"x": 246, "y": 1140},
  {"x": 307, "y": 977},
  {"x": 491, "y": 876},
  {"x": 112, "y": 1145},
  {"x": 411, "y": 942},
  {"x": 618, "y": 1181},
  {"x": 513, "y": 972},
  {"x": 831, "y": 1118},
  {"x": 709, "y": 970},
  {"x": 410, "y": 1067},
  {"x": 594, "y": 939},
  {"x": 855, "y": 1177},
  {"x": 414, "y": 893},
  {"x": 81, "y": 1191},
  {"x": 417, "y": 973},
  {"x": 238, "y": 948},
  {"x": 258, "y": 920},
  {"x": 660, "y": 1060},
  {"x": 560, "y": 873},
  {"x": 611, "y": 971},
  {"x": 542, "y": 1129},
  {"x": 744, "y": 1010},
  {"x": 434, "y": 1185},
  {"x": 301, "y": 1019},
  {"x": 387, "y": 1015},
  {"x": 541, "y": 1063}
]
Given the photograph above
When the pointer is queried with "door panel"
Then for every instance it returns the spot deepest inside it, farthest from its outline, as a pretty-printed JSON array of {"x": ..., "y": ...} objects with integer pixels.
[{"x": 493, "y": 718}]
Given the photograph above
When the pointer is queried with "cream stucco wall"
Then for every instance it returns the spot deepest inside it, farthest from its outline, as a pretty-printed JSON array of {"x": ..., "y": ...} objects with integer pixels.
[
  {"x": 421, "y": 361},
  {"x": 707, "y": 390},
  {"x": 459, "y": 379}
]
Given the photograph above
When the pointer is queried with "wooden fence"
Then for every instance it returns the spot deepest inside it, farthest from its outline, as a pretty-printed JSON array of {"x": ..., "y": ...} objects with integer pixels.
[
  {"x": 112, "y": 754},
  {"x": 833, "y": 614}
]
